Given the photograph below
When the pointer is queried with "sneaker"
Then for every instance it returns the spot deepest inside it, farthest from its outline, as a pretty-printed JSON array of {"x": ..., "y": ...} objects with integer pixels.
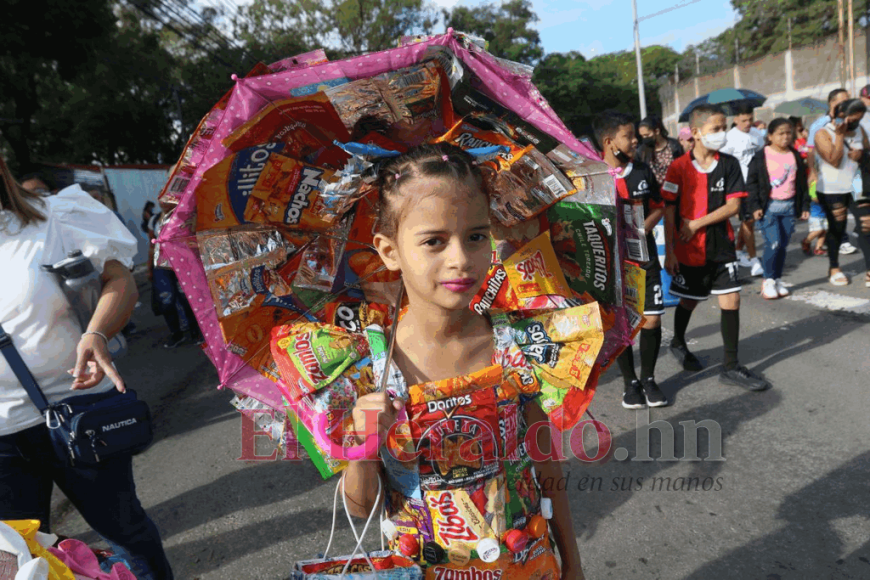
[
  {"x": 741, "y": 376},
  {"x": 633, "y": 397},
  {"x": 174, "y": 341},
  {"x": 689, "y": 361},
  {"x": 768, "y": 289},
  {"x": 847, "y": 248},
  {"x": 654, "y": 396},
  {"x": 743, "y": 259},
  {"x": 782, "y": 288},
  {"x": 757, "y": 268},
  {"x": 198, "y": 339}
]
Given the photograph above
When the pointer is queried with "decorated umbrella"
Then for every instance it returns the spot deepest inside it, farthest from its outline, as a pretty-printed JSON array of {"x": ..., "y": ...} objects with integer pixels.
[
  {"x": 728, "y": 99},
  {"x": 271, "y": 236},
  {"x": 802, "y": 107}
]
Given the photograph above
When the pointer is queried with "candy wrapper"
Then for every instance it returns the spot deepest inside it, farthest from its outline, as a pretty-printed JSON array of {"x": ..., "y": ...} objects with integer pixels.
[
  {"x": 496, "y": 293},
  {"x": 361, "y": 99},
  {"x": 535, "y": 271},
  {"x": 305, "y": 124},
  {"x": 326, "y": 465},
  {"x": 584, "y": 236}
]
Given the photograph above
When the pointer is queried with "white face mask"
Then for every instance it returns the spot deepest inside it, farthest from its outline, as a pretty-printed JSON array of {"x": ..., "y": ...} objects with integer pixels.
[{"x": 714, "y": 141}]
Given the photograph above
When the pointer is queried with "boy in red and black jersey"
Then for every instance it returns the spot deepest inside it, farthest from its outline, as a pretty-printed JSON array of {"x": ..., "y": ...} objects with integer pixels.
[
  {"x": 636, "y": 183},
  {"x": 702, "y": 190}
]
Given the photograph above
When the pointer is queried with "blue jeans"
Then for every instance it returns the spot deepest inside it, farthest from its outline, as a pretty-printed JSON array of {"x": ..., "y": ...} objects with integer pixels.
[
  {"x": 777, "y": 226},
  {"x": 105, "y": 496}
]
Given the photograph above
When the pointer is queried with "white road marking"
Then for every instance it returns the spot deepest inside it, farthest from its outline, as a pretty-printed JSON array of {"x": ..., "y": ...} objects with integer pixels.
[{"x": 831, "y": 301}]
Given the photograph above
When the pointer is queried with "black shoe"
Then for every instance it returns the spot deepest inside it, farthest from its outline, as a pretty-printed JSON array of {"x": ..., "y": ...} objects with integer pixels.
[
  {"x": 654, "y": 396},
  {"x": 198, "y": 339},
  {"x": 633, "y": 397},
  {"x": 174, "y": 341},
  {"x": 743, "y": 377},
  {"x": 689, "y": 361}
]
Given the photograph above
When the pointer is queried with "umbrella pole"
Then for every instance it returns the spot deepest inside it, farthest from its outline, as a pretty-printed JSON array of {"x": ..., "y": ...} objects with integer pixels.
[{"x": 392, "y": 337}]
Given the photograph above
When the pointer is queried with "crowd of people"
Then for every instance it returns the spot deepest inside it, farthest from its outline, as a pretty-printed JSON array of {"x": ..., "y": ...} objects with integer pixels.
[{"x": 769, "y": 176}]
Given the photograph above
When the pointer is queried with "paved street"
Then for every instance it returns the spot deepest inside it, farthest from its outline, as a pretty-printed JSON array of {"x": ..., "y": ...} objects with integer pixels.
[{"x": 790, "y": 501}]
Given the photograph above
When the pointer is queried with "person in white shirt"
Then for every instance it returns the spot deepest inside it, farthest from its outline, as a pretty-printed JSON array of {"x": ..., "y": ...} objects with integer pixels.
[
  {"x": 44, "y": 329},
  {"x": 743, "y": 142}
]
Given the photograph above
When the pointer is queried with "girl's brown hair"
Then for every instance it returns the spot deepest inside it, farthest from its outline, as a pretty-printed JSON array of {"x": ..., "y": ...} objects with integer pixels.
[
  {"x": 18, "y": 200},
  {"x": 436, "y": 160}
]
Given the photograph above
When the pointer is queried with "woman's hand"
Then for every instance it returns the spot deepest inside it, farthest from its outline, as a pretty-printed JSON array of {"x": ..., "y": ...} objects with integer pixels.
[
  {"x": 375, "y": 405},
  {"x": 856, "y": 154},
  {"x": 758, "y": 214},
  {"x": 93, "y": 362},
  {"x": 805, "y": 216}
]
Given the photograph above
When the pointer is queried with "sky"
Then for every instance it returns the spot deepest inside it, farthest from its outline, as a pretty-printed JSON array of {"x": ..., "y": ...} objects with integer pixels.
[{"x": 601, "y": 26}]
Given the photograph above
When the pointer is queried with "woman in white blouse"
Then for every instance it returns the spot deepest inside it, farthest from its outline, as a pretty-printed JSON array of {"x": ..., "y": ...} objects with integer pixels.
[{"x": 46, "y": 333}]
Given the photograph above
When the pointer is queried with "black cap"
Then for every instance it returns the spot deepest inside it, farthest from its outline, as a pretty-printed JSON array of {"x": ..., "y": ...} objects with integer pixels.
[{"x": 433, "y": 553}]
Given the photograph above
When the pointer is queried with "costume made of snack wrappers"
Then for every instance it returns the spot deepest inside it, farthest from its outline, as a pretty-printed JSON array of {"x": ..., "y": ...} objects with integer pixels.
[
  {"x": 272, "y": 242},
  {"x": 459, "y": 478}
]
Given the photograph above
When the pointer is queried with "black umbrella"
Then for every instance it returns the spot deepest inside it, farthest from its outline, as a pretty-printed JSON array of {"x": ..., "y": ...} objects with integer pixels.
[{"x": 728, "y": 99}]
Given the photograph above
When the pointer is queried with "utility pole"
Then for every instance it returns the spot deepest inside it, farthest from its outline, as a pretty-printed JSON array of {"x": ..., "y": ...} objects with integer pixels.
[
  {"x": 852, "y": 50},
  {"x": 640, "y": 88},
  {"x": 842, "y": 52},
  {"x": 677, "y": 91},
  {"x": 697, "y": 73},
  {"x": 789, "y": 31}
]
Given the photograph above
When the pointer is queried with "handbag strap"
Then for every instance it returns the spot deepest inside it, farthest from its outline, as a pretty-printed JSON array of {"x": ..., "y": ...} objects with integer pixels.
[
  {"x": 359, "y": 537},
  {"x": 19, "y": 367}
]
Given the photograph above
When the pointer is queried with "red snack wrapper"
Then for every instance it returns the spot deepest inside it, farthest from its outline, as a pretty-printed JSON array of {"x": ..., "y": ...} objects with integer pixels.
[
  {"x": 496, "y": 292},
  {"x": 456, "y": 519},
  {"x": 457, "y": 438}
]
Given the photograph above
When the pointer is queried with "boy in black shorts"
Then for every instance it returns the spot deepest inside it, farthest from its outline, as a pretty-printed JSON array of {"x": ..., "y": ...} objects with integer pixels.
[
  {"x": 636, "y": 184},
  {"x": 702, "y": 191}
]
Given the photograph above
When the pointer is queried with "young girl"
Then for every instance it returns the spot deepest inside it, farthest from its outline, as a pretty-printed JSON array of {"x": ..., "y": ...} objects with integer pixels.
[
  {"x": 778, "y": 194},
  {"x": 434, "y": 228}
]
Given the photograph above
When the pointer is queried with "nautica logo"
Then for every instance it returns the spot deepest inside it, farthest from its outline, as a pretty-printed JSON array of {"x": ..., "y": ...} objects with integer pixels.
[{"x": 112, "y": 426}]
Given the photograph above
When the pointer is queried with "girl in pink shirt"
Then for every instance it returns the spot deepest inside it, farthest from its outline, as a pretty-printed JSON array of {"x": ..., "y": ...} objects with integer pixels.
[{"x": 778, "y": 195}]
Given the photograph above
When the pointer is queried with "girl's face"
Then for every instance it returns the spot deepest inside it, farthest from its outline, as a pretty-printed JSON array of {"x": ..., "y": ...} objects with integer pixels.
[
  {"x": 782, "y": 137},
  {"x": 442, "y": 244}
]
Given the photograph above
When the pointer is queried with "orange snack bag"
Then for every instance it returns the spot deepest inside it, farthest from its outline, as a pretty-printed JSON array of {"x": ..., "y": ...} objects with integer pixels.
[
  {"x": 290, "y": 192},
  {"x": 306, "y": 124}
]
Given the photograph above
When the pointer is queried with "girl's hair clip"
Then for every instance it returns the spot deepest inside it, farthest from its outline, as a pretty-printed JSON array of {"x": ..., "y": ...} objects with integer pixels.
[
  {"x": 397, "y": 176},
  {"x": 443, "y": 158}
]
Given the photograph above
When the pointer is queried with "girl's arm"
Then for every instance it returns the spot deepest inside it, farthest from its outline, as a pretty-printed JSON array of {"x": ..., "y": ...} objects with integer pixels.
[
  {"x": 549, "y": 475},
  {"x": 361, "y": 486}
]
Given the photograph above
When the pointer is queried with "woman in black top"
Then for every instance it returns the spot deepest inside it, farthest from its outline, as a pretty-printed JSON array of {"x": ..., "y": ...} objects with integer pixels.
[{"x": 657, "y": 149}]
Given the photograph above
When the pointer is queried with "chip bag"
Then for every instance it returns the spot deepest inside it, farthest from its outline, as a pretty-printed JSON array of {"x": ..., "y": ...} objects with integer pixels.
[
  {"x": 534, "y": 270},
  {"x": 584, "y": 236},
  {"x": 305, "y": 124},
  {"x": 290, "y": 194}
]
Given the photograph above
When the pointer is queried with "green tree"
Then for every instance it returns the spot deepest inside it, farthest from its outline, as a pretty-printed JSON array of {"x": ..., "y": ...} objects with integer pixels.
[
  {"x": 506, "y": 27},
  {"x": 42, "y": 39},
  {"x": 346, "y": 26}
]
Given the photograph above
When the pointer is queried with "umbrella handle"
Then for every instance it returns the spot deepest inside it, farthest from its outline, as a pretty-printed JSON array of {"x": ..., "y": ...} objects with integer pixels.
[{"x": 367, "y": 450}]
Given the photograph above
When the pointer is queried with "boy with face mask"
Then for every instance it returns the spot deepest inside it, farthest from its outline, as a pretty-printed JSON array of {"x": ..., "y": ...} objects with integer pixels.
[
  {"x": 636, "y": 184},
  {"x": 702, "y": 191}
]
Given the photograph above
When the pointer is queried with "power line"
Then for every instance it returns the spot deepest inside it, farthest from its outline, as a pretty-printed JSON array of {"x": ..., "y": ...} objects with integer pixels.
[{"x": 666, "y": 10}]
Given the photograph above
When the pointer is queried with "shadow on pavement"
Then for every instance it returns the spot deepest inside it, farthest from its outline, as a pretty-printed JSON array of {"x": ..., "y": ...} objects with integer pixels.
[
  {"x": 775, "y": 345},
  {"x": 730, "y": 414},
  {"x": 808, "y": 543}
]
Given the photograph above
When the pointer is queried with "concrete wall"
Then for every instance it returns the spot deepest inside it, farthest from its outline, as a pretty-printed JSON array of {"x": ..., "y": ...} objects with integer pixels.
[{"x": 806, "y": 71}]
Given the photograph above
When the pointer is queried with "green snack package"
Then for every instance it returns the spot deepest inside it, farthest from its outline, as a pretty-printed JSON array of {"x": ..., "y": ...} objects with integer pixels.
[
  {"x": 326, "y": 465},
  {"x": 584, "y": 237}
]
